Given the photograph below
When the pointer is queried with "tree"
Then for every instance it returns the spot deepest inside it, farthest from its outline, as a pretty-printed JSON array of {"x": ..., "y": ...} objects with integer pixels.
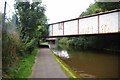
[
  {"x": 100, "y": 7},
  {"x": 93, "y": 8},
  {"x": 106, "y": 6},
  {"x": 31, "y": 16}
]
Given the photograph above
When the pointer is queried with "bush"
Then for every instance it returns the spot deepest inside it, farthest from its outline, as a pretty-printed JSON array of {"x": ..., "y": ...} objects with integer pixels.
[
  {"x": 10, "y": 57},
  {"x": 31, "y": 45},
  {"x": 63, "y": 40}
]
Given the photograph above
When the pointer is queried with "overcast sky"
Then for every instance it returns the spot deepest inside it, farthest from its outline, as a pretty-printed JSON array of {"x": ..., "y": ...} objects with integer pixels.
[{"x": 59, "y": 10}]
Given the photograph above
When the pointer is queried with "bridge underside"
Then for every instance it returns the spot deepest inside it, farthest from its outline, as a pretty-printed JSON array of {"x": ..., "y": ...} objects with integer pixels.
[{"x": 117, "y": 33}]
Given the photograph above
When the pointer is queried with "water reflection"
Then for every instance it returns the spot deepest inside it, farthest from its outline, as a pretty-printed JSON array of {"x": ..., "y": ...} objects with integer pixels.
[
  {"x": 63, "y": 54},
  {"x": 59, "y": 52}
]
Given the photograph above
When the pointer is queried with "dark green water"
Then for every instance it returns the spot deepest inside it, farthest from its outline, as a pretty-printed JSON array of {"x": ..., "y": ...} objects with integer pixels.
[{"x": 89, "y": 64}]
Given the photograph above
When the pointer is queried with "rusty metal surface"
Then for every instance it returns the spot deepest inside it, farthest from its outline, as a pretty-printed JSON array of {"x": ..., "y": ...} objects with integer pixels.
[
  {"x": 71, "y": 27},
  {"x": 88, "y": 25},
  {"x": 109, "y": 23},
  {"x": 50, "y": 30},
  {"x": 97, "y": 24},
  {"x": 58, "y": 29},
  {"x": 101, "y": 13},
  {"x": 119, "y": 21}
]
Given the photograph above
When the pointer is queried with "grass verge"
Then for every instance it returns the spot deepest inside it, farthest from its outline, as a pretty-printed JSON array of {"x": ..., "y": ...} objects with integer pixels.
[
  {"x": 68, "y": 71},
  {"x": 25, "y": 65}
]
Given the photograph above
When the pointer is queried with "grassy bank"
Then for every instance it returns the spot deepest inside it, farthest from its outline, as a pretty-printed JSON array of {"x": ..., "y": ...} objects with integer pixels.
[
  {"x": 68, "y": 71},
  {"x": 25, "y": 65}
]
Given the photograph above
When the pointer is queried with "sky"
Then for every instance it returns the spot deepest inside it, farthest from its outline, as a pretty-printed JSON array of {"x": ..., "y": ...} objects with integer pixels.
[{"x": 58, "y": 10}]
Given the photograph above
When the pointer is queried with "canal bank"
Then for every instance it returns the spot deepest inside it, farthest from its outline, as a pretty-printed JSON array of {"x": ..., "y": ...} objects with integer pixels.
[
  {"x": 89, "y": 64},
  {"x": 68, "y": 71}
]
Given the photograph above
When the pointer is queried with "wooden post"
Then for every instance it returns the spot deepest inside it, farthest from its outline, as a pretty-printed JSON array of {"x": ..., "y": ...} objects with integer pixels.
[{"x": 3, "y": 21}]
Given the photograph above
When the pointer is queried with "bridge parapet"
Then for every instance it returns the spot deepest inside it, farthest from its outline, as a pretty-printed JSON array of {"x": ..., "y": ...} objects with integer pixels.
[{"x": 101, "y": 23}]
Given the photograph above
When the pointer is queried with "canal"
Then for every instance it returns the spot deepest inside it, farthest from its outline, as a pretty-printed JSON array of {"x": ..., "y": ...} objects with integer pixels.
[{"x": 89, "y": 64}]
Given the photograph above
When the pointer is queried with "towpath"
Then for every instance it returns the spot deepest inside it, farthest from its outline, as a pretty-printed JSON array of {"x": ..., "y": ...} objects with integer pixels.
[{"x": 46, "y": 66}]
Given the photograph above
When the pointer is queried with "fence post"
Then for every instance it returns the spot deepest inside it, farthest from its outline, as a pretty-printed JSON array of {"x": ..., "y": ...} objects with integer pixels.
[{"x": 3, "y": 22}]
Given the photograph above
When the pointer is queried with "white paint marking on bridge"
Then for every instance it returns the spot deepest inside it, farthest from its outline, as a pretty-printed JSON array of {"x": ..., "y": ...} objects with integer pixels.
[{"x": 105, "y": 22}]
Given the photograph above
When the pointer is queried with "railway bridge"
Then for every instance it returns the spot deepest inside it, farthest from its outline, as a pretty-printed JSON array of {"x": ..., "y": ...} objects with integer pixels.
[{"x": 101, "y": 23}]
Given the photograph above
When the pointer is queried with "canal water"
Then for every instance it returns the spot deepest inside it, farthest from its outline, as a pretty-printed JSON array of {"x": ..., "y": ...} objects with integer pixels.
[{"x": 89, "y": 64}]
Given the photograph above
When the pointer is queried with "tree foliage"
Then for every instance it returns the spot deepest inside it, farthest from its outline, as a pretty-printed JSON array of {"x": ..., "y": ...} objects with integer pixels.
[
  {"x": 21, "y": 39},
  {"x": 100, "y": 7},
  {"x": 106, "y": 6},
  {"x": 30, "y": 16},
  {"x": 11, "y": 46},
  {"x": 93, "y": 8}
]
